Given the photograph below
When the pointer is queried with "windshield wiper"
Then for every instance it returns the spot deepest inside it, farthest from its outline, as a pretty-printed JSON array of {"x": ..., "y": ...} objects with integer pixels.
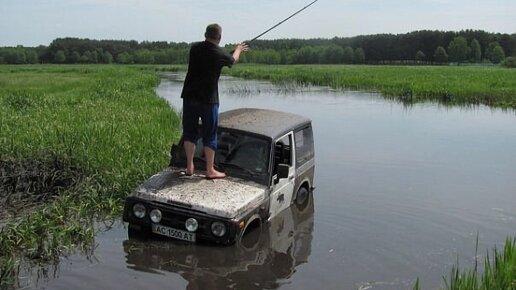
[{"x": 246, "y": 170}]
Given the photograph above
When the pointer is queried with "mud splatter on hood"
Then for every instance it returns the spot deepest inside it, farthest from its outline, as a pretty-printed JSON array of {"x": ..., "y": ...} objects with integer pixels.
[{"x": 226, "y": 197}]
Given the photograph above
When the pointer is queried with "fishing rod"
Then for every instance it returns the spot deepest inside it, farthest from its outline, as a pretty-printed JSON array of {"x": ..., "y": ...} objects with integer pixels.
[{"x": 281, "y": 22}]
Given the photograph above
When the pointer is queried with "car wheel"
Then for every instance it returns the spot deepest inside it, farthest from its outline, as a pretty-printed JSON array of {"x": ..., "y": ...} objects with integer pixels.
[
  {"x": 302, "y": 198},
  {"x": 251, "y": 235}
]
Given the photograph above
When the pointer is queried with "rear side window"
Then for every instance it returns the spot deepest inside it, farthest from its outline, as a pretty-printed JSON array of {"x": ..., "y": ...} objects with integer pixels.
[{"x": 304, "y": 145}]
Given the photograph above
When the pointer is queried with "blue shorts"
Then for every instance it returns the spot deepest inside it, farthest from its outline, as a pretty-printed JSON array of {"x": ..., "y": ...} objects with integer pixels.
[{"x": 209, "y": 114}]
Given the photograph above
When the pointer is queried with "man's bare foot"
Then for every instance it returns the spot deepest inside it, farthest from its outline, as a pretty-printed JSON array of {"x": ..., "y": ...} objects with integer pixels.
[
  {"x": 190, "y": 169},
  {"x": 215, "y": 174}
]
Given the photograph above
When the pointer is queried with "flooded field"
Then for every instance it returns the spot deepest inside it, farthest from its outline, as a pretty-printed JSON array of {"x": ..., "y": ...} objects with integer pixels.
[{"x": 401, "y": 192}]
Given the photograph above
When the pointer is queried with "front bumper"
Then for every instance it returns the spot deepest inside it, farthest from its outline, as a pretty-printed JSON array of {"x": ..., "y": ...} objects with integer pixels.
[{"x": 175, "y": 217}]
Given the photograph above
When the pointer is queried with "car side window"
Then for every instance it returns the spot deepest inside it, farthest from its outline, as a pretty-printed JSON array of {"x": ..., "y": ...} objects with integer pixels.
[
  {"x": 304, "y": 145},
  {"x": 283, "y": 152}
]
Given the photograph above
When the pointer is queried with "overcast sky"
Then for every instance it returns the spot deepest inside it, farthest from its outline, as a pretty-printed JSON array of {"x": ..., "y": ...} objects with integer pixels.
[{"x": 34, "y": 22}]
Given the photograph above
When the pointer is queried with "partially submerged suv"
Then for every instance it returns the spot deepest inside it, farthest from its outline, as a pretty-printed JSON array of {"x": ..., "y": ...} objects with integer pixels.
[
  {"x": 262, "y": 260},
  {"x": 268, "y": 158}
]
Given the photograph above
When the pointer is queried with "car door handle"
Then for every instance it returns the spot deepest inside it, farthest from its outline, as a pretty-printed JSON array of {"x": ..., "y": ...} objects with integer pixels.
[{"x": 291, "y": 177}]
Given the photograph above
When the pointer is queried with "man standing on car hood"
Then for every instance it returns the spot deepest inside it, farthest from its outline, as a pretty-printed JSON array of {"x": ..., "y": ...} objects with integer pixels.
[{"x": 201, "y": 96}]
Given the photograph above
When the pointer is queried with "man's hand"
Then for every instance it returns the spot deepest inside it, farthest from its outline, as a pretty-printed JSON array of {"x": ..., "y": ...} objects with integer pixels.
[
  {"x": 242, "y": 47},
  {"x": 239, "y": 49}
]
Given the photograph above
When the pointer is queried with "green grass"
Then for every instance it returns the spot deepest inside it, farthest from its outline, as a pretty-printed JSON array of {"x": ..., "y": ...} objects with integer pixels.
[
  {"x": 499, "y": 272},
  {"x": 105, "y": 121},
  {"x": 452, "y": 85}
]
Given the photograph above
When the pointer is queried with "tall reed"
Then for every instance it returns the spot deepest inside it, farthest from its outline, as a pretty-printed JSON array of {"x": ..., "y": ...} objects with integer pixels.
[
  {"x": 499, "y": 272},
  {"x": 107, "y": 120}
]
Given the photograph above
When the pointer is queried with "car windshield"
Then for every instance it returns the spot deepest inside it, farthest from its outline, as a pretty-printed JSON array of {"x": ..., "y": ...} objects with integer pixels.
[{"x": 241, "y": 152}]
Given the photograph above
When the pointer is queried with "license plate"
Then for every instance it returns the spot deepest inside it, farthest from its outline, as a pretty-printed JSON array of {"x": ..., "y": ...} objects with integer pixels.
[{"x": 173, "y": 233}]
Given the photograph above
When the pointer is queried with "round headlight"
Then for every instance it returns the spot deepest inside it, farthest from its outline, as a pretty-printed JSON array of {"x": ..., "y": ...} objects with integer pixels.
[
  {"x": 191, "y": 224},
  {"x": 218, "y": 229},
  {"x": 155, "y": 215},
  {"x": 139, "y": 210}
]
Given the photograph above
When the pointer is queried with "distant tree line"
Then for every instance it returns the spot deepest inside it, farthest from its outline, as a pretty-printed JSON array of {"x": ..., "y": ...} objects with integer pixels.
[
  {"x": 425, "y": 47},
  {"x": 473, "y": 46},
  {"x": 76, "y": 50}
]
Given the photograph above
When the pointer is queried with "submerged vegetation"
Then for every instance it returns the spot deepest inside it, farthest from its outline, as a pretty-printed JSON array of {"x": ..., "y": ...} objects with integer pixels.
[
  {"x": 450, "y": 85},
  {"x": 74, "y": 141}
]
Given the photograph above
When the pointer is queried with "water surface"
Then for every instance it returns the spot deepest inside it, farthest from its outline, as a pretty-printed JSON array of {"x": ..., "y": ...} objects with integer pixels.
[{"x": 401, "y": 192}]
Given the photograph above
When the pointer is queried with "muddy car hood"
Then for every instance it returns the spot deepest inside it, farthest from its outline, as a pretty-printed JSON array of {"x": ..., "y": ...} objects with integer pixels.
[{"x": 227, "y": 198}]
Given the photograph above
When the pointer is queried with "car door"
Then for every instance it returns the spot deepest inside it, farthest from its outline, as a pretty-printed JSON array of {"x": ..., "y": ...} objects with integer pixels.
[{"x": 283, "y": 188}]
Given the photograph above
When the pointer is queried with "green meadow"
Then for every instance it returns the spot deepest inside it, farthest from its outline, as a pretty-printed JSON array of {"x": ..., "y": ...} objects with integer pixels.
[
  {"x": 451, "y": 85},
  {"x": 76, "y": 139}
]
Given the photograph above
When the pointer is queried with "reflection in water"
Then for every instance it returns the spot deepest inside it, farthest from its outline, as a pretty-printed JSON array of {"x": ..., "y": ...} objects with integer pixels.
[{"x": 262, "y": 260}]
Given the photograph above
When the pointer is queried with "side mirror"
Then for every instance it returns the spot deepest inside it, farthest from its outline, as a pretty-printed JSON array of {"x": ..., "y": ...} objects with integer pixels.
[{"x": 283, "y": 171}]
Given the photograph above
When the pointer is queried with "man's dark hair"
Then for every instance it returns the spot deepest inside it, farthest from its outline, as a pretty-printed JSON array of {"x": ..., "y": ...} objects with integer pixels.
[{"x": 213, "y": 31}]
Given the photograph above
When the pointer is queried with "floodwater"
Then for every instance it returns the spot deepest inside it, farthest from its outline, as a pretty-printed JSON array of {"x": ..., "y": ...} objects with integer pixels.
[{"x": 401, "y": 192}]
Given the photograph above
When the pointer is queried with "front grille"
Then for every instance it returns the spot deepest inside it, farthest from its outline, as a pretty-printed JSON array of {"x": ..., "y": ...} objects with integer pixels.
[{"x": 176, "y": 216}]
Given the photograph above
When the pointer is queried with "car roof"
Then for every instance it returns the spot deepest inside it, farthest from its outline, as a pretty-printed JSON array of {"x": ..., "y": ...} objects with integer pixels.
[{"x": 264, "y": 122}]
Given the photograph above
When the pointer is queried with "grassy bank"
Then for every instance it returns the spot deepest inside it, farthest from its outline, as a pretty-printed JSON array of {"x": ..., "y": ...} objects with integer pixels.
[
  {"x": 453, "y": 85},
  {"x": 74, "y": 141}
]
